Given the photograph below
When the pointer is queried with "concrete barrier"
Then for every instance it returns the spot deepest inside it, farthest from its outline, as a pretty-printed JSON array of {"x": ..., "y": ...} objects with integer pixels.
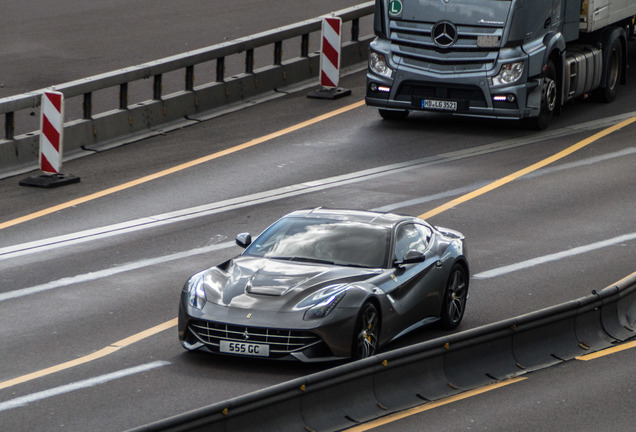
[
  {"x": 125, "y": 122},
  {"x": 361, "y": 391}
]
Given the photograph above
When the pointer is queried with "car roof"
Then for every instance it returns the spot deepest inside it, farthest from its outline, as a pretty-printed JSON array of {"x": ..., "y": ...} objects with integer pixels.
[{"x": 387, "y": 220}]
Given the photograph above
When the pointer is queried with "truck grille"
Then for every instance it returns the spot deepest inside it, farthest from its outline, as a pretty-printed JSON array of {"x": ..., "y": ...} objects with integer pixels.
[
  {"x": 413, "y": 43},
  {"x": 410, "y": 90},
  {"x": 281, "y": 342}
]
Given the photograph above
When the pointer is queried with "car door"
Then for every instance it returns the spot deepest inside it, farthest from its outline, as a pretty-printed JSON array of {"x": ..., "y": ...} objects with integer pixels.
[{"x": 416, "y": 293}]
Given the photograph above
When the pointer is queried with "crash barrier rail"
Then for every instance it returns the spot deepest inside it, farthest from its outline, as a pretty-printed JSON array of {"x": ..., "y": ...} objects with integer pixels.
[
  {"x": 125, "y": 122},
  {"x": 364, "y": 390}
]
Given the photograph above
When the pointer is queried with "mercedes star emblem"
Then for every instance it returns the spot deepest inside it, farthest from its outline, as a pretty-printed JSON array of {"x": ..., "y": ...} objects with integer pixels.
[{"x": 444, "y": 34}]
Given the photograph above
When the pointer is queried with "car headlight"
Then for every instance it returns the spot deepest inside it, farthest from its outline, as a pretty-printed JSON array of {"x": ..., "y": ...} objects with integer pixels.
[
  {"x": 509, "y": 74},
  {"x": 196, "y": 292},
  {"x": 325, "y": 307},
  {"x": 378, "y": 64}
]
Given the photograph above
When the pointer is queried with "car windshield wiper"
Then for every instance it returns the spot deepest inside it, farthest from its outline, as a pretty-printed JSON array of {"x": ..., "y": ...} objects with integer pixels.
[
  {"x": 355, "y": 265},
  {"x": 304, "y": 259}
]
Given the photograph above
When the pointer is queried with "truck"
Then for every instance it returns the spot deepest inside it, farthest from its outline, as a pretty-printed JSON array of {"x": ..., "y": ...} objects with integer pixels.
[{"x": 504, "y": 59}]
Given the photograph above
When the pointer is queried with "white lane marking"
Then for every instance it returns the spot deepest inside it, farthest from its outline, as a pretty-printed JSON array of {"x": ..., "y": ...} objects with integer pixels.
[
  {"x": 34, "y": 397},
  {"x": 589, "y": 161},
  {"x": 286, "y": 192},
  {"x": 166, "y": 218},
  {"x": 442, "y": 195},
  {"x": 180, "y": 255},
  {"x": 87, "y": 277},
  {"x": 555, "y": 256},
  {"x": 467, "y": 189},
  {"x": 209, "y": 209}
]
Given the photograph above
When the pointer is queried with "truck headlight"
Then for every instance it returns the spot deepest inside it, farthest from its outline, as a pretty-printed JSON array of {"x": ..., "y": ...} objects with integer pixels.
[
  {"x": 196, "y": 292},
  {"x": 378, "y": 64},
  {"x": 509, "y": 74}
]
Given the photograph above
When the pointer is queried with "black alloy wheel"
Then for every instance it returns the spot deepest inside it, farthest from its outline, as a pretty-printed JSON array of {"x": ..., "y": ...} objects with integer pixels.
[
  {"x": 455, "y": 298},
  {"x": 366, "y": 332}
]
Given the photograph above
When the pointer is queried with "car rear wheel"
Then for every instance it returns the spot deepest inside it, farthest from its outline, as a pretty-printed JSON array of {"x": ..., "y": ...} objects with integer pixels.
[
  {"x": 366, "y": 332},
  {"x": 454, "y": 298}
]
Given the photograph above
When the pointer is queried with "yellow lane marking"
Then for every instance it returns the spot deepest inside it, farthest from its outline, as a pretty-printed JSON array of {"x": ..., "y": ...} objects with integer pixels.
[
  {"x": 503, "y": 181},
  {"x": 624, "y": 279},
  {"x": 432, "y": 405},
  {"x": 607, "y": 351},
  {"x": 90, "y": 357},
  {"x": 180, "y": 167}
]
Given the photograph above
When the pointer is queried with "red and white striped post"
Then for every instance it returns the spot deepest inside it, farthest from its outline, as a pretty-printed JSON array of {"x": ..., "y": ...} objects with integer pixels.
[
  {"x": 51, "y": 132},
  {"x": 51, "y": 144},
  {"x": 330, "y": 50}
]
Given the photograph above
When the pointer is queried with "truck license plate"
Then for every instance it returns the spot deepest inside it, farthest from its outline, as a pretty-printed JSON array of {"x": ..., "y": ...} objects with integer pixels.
[
  {"x": 440, "y": 105},
  {"x": 244, "y": 348}
]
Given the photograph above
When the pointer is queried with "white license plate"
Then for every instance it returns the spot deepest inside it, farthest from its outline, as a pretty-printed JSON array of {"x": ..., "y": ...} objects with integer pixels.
[
  {"x": 439, "y": 105},
  {"x": 487, "y": 41},
  {"x": 244, "y": 348}
]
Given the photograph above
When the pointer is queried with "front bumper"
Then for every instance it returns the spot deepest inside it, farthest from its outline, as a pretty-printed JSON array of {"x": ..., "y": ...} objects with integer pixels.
[
  {"x": 475, "y": 100},
  {"x": 460, "y": 92},
  {"x": 288, "y": 336}
]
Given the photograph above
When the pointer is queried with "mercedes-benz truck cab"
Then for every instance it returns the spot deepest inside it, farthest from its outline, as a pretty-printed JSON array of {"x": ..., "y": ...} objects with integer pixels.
[{"x": 505, "y": 59}]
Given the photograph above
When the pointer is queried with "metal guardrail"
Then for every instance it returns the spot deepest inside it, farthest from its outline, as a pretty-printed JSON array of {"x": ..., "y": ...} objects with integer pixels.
[
  {"x": 125, "y": 122},
  {"x": 347, "y": 395}
]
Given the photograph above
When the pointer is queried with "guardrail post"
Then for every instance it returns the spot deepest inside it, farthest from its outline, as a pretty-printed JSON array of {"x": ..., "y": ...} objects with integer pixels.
[
  {"x": 156, "y": 87},
  {"x": 87, "y": 106},
  {"x": 220, "y": 69},
  {"x": 189, "y": 78},
  {"x": 249, "y": 61},
  {"x": 304, "y": 45},
  {"x": 355, "y": 29},
  {"x": 9, "y": 125},
  {"x": 278, "y": 53},
  {"x": 123, "y": 96}
]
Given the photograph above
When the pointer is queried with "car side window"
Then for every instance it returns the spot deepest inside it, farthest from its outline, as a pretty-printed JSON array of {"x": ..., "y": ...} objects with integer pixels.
[{"x": 411, "y": 237}]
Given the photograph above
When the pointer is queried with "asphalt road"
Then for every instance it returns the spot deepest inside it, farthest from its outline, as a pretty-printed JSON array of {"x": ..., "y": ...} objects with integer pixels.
[{"x": 82, "y": 285}]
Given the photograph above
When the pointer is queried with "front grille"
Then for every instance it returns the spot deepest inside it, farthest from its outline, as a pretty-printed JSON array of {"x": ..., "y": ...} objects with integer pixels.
[
  {"x": 281, "y": 342},
  {"x": 412, "y": 41},
  {"x": 410, "y": 90}
]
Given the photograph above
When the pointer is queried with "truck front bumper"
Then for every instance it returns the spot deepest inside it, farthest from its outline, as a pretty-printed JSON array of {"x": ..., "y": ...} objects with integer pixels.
[{"x": 456, "y": 94}]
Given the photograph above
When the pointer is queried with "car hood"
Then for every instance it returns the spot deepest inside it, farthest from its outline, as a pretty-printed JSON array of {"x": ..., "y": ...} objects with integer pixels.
[{"x": 266, "y": 284}]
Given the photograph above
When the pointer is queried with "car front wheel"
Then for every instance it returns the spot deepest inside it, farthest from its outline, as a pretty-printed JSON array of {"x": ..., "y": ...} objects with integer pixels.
[{"x": 366, "y": 332}]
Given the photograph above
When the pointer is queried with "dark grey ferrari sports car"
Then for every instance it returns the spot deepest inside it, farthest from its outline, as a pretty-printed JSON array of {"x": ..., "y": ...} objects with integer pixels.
[{"x": 324, "y": 284}]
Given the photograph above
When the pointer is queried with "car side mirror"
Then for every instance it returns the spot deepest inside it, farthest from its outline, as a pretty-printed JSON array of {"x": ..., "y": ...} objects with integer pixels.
[
  {"x": 244, "y": 240},
  {"x": 411, "y": 257}
]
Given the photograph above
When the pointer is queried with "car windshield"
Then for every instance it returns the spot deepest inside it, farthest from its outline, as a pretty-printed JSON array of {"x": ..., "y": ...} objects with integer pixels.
[{"x": 324, "y": 241}]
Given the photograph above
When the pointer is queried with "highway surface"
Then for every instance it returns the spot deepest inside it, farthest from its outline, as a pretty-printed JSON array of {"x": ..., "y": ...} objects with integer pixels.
[{"x": 90, "y": 274}]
